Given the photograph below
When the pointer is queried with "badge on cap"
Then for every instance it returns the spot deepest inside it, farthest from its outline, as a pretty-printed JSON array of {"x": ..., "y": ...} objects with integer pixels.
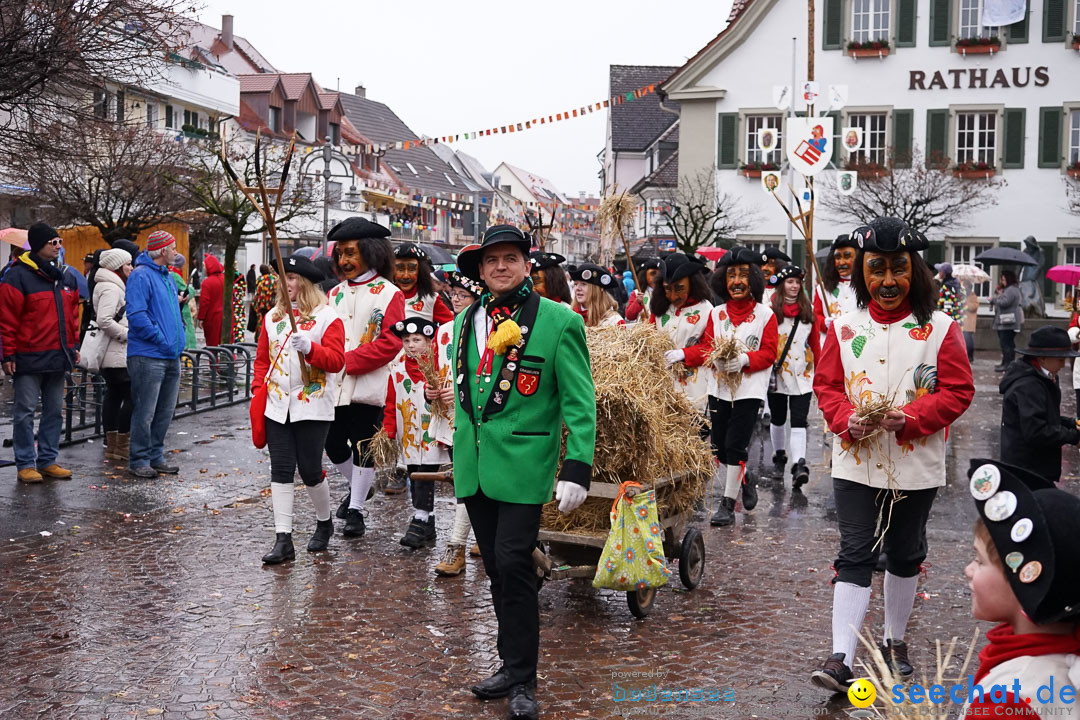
[
  {"x": 1031, "y": 572},
  {"x": 1000, "y": 507},
  {"x": 985, "y": 481},
  {"x": 1014, "y": 560},
  {"x": 605, "y": 279},
  {"x": 586, "y": 274},
  {"x": 1021, "y": 531}
]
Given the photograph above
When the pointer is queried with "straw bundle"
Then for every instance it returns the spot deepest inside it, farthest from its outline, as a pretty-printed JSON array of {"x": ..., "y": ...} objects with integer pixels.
[
  {"x": 645, "y": 428},
  {"x": 383, "y": 450},
  {"x": 727, "y": 347},
  {"x": 614, "y": 213},
  {"x": 429, "y": 369}
]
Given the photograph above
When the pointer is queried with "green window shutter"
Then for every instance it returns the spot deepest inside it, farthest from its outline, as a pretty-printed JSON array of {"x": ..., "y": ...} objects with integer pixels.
[
  {"x": 727, "y": 143},
  {"x": 903, "y": 130},
  {"x": 1018, "y": 31},
  {"x": 937, "y": 136},
  {"x": 1050, "y": 137},
  {"x": 1013, "y": 157},
  {"x": 905, "y": 23},
  {"x": 940, "y": 21},
  {"x": 837, "y": 154},
  {"x": 833, "y": 27},
  {"x": 1053, "y": 20}
]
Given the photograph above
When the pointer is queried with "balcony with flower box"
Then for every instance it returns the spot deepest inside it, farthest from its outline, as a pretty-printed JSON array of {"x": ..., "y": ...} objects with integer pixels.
[
  {"x": 1074, "y": 170},
  {"x": 869, "y": 48},
  {"x": 974, "y": 171},
  {"x": 754, "y": 169},
  {"x": 978, "y": 46}
]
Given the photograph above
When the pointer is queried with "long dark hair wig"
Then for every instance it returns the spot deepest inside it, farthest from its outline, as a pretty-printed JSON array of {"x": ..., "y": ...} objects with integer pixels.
[
  {"x": 555, "y": 284},
  {"x": 806, "y": 310},
  {"x": 830, "y": 278},
  {"x": 923, "y": 295},
  {"x": 378, "y": 255},
  {"x": 425, "y": 283},
  {"x": 757, "y": 282},
  {"x": 698, "y": 291}
]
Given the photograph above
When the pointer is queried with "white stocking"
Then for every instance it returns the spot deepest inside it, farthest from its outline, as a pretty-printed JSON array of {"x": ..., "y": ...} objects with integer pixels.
[{"x": 282, "y": 495}]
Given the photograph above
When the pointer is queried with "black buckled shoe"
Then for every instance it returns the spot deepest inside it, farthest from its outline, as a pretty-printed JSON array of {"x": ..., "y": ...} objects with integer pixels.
[
  {"x": 725, "y": 514},
  {"x": 896, "y": 657},
  {"x": 749, "y": 491},
  {"x": 779, "y": 461},
  {"x": 834, "y": 676},
  {"x": 343, "y": 509},
  {"x": 283, "y": 550},
  {"x": 320, "y": 539},
  {"x": 354, "y": 524},
  {"x": 800, "y": 474},
  {"x": 419, "y": 533},
  {"x": 522, "y": 705},
  {"x": 496, "y": 686}
]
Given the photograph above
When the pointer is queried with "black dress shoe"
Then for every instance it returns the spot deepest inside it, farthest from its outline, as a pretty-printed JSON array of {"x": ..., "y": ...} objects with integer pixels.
[
  {"x": 800, "y": 474},
  {"x": 343, "y": 509},
  {"x": 725, "y": 514},
  {"x": 166, "y": 469},
  {"x": 496, "y": 686},
  {"x": 283, "y": 550},
  {"x": 320, "y": 539},
  {"x": 522, "y": 705},
  {"x": 749, "y": 491},
  {"x": 354, "y": 525}
]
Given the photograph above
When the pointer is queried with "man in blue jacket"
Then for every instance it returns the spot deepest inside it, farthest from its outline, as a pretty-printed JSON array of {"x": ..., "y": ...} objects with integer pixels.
[{"x": 155, "y": 340}]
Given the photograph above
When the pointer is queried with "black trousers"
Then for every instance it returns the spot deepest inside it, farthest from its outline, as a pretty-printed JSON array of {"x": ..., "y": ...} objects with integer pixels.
[
  {"x": 1007, "y": 340},
  {"x": 506, "y": 533},
  {"x": 800, "y": 409},
  {"x": 904, "y": 545},
  {"x": 116, "y": 406},
  {"x": 351, "y": 432},
  {"x": 423, "y": 493},
  {"x": 732, "y": 426},
  {"x": 294, "y": 445}
]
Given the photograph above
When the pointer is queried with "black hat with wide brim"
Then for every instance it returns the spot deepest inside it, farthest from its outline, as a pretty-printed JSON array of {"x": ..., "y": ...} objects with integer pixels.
[
  {"x": 356, "y": 228},
  {"x": 594, "y": 275},
  {"x": 677, "y": 266},
  {"x": 788, "y": 271},
  {"x": 415, "y": 325},
  {"x": 845, "y": 240},
  {"x": 1049, "y": 341},
  {"x": 543, "y": 260},
  {"x": 888, "y": 235},
  {"x": 469, "y": 260},
  {"x": 1032, "y": 525},
  {"x": 460, "y": 280},
  {"x": 302, "y": 266},
  {"x": 775, "y": 253},
  {"x": 740, "y": 255},
  {"x": 409, "y": 250}
]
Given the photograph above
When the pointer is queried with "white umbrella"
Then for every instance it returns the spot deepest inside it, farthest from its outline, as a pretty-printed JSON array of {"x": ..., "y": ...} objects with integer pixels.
[{"x": 970, "y": 273}]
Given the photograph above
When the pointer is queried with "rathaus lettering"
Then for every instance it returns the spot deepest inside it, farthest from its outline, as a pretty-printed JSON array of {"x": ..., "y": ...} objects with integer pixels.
[{"x": 978, "y": 78}]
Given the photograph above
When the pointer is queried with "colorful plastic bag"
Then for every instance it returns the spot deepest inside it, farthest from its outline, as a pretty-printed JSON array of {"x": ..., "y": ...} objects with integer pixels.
[{"x": 633, "y": 557}]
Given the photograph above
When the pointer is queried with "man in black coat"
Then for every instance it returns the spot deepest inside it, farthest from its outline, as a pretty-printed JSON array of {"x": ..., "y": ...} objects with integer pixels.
[{"x": 1032, "y": 428}]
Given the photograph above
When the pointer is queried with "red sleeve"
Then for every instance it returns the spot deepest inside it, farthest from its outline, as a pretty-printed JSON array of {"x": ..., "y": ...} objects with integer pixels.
[
  {"x": 819, "y": 311},
  {"x": 71, "y": 316},
  {"x": 441, "y": 314},
  {"x": 329, "y": 353},
  {"x": 829, "y": 386},
  {"x": 815, "y": 338},
  {"x": 262, "y": 362},
  {"x": 652, "y": 319},
  {"x": 952, "y": 396},
  {"x": 389, "y": 418},
  {"x": 11, "y": 310},
  {"x": 633, "y": 307},
  {"x": 382, "y": 349},
  {"x": 694, "y": 356},
  {"x": 765, "y": 355}
]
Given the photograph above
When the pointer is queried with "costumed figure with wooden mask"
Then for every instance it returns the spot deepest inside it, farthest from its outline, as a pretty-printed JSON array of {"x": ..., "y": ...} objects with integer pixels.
[
  {"x": 680, "y": 307},
  {"x": 640, "y": 299},
  {"x": 414, "y": 277},
  {"x": 549, "y": 277}
]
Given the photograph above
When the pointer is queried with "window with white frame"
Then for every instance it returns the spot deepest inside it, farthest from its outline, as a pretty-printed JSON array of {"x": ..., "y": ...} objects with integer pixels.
[
  {"x": 964, "y": 253},
  {"x": 971, "y": 21},
  {"x": 1076, "y": 18},
  {"x": 753, "y": 124},
  {"x": 1074, "y": 136},
  {"x": 874, "y": 147},
  {"x": 976, "y": 137},
  {"x": 151, "y": 115},
  {"x": 869, "y": 20},
  {"x": 1071, "y": 255}
]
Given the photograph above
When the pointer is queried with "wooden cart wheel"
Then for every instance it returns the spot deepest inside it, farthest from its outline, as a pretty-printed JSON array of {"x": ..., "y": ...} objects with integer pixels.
[
  {"x": 641, "y": 601},
  {"x": 692, "y": 559}
]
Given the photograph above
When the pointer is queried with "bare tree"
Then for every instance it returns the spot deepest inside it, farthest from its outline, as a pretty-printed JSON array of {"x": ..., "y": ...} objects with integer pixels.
[
  {"x": 926, "y": 195},
  {"x": 103, "y": 174},
  {"x": 207, "y": 189},
  {"x": 700, "y": 216}
]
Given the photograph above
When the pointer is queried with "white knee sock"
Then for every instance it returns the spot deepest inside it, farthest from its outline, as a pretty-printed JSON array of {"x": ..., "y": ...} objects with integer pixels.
[
  {"x": 362, "y": 479},
  {"x": 281, "y": 495},
  {"x": 421, "y": 515},
  {"x": 462, "y": 525},
  {"x": 899, "y": 601},
  {"x": 731, "y": 486},
  {"x": 320, "y": 498},
  {"x": 778, "y": 439},
  {"x": 848, "y": 612},
  {"x": 798, "y": 444},
  {"x": 346, "y": 469}
]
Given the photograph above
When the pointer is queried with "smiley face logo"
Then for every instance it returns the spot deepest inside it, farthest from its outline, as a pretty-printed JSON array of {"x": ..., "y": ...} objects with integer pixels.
[{"x": 862, "y": 693}]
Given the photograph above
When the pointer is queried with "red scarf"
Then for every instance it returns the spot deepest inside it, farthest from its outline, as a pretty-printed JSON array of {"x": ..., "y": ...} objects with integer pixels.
[
  {"x": 888, "y": 317},
  {"x": 1006, "y": 645},
  {"x": 582, "y": 312},
  {"x": 412, "y": 368},
  {"x": 739, "y": 310},
  {"x": 791, "y": 309}
]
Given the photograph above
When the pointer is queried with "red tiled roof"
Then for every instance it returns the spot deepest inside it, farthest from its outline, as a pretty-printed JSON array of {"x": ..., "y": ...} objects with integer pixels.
[
  {"x": 260, "y": 83},
  {"x": 349, "y": 133},
  {"x": 327, "y": 100},
  {"x": 738, "y": 9},
  {"x": 295, "y": 84}
]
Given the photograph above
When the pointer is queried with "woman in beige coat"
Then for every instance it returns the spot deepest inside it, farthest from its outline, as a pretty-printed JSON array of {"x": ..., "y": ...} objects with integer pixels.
[{"x": 109, "y": 307}]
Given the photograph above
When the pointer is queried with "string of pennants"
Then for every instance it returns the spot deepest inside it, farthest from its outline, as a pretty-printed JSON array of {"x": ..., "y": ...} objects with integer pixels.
[{"x": 522, "y": 126}]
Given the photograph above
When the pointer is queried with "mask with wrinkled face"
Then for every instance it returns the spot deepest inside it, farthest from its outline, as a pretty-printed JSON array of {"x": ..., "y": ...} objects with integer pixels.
[
  {"x": 406, "y": 271},
  {"x": 887, "y": 277},
  {"x": 738, "y": 281},
  {"x": 678, "y": 292},
  {"x": 349, "y": 260},
  {"x": 844, "y": 261}
]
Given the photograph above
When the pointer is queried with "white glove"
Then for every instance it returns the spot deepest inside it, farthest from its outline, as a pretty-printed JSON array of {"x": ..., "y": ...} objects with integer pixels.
[
  {"x": 570, "y": 496},
  {"x": 674, "y": 356},
  {"x": 736, "y": 364},
  {"x": 300, "y": 342}
]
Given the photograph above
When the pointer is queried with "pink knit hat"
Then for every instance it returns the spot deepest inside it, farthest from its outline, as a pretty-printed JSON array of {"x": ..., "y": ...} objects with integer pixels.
[{"x": 159, "y": 239}]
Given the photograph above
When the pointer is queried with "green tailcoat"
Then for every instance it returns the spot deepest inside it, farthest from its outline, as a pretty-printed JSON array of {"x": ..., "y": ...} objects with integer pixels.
[{"x": 508, "y": 429}]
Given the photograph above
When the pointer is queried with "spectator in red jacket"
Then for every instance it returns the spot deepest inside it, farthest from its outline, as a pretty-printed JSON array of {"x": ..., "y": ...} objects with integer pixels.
[
  {"x": 39, "y": 353},
  {"x": 211, "y": 301}
]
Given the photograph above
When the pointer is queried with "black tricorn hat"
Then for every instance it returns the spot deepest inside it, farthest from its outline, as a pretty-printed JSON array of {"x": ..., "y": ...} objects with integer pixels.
[
  {"x": 469, "y": 260},
  {"x": 542, "y": 260},
  {"x": 788, "y": 271},
  {"x": 409, "y": 250},
  {"x": 676, "y": 266},
  {"x": 845, "y": 240},
  {"x": 774, "y": 253},
  {"x": 1034, "y": 530},
  {"x": 653, "y": 263},
  {"x": 356, "y": 228},
  {"x": 593, "y": 275},
  {"x": 413, "y": 325},
  {"x": 888, "y": 235},
  {"x": 740, "y": 255},
  {"x": 302, "y": 266},
  {"x": 1049, "y": 341}
]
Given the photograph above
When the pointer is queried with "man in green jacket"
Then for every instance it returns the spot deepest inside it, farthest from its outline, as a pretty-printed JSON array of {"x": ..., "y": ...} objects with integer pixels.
[{"x": 521, "y": 370}]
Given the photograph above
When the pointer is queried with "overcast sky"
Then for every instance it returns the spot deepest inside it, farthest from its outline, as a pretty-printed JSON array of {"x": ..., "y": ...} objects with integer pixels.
[{"x": 452, "y": 67}]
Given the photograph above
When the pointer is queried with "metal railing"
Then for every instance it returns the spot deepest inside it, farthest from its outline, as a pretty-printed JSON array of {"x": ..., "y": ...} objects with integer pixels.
[{"x": 210, "y": 378}]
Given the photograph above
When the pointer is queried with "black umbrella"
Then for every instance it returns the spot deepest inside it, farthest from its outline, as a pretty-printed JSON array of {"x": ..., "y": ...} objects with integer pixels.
[
  {"x": 437, "y": 255},
  {"x": 1005, "y": 256}
]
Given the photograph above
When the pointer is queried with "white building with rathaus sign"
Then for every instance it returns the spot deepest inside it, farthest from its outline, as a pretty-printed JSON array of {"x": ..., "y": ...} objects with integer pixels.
[{"x": 921, "y": 75}]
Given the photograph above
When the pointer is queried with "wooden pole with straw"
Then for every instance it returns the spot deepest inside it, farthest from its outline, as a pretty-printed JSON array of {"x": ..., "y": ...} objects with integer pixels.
[
  {"x": 268, "y": 212},
  {"x": 614, "y": 213}
]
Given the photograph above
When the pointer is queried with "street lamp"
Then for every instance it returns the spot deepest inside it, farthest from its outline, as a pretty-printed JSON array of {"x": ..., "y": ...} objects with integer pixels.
[{"x": 329, "y": 156}]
